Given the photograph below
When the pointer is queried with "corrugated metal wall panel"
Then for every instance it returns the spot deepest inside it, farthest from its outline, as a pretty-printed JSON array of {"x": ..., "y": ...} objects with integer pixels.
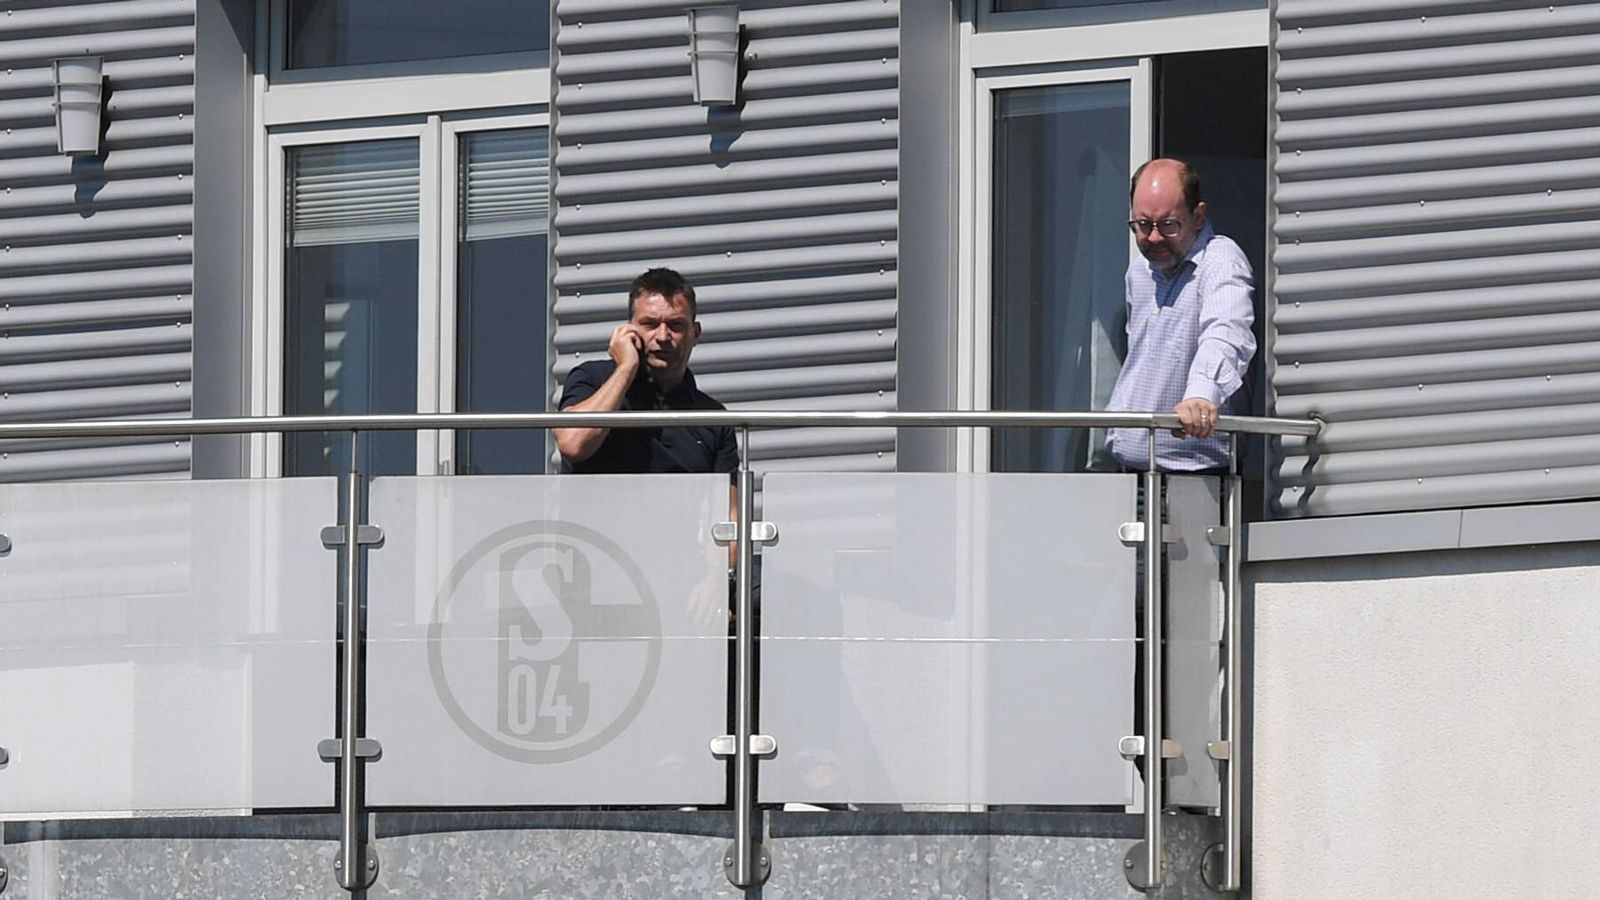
[
  {"x": 1437, "y": 178},
  {"x": 782, "y": 211},
  {"x": 95, "y": 275}
]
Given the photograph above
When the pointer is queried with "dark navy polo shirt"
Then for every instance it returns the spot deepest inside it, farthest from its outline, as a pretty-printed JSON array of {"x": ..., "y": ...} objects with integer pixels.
[{"x": 644, "y": 450}]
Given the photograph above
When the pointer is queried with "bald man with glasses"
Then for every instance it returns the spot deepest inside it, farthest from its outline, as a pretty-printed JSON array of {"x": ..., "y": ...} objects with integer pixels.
[{"x": 1189, "y": 324}]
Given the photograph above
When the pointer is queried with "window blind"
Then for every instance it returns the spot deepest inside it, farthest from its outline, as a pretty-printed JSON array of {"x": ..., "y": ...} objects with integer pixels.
[
  {"x": 505, "y": 184},
  {"x": 354, "y": 193}
]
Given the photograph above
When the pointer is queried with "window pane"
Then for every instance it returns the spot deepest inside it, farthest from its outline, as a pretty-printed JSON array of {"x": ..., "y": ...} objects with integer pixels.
[
  {"x": 351, "y": 300},
  {"x": 1060, "y": 253},
  {"x": 357, "y": 32},
  {"x": 1176, "y": 7},
  {"x": 502, "y": 262},
  {"x": 1196, "y": 91},
  {"x": 1232, "y": 161},
  {"x": 1027, "y": 5}
]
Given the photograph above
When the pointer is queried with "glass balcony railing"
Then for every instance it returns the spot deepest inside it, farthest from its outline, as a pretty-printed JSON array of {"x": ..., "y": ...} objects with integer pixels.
[
  {"x": 948, "y": 639},
  {"x": 166, "y": 646},
  {"x": 903, "y": 639},
  {"x": 538, "y": 640}
]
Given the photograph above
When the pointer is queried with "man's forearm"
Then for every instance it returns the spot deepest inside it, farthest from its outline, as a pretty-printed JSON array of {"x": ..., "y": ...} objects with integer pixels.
[
  {"x": 578, "y": 444},
  {"x": 1221, "y": 363}
]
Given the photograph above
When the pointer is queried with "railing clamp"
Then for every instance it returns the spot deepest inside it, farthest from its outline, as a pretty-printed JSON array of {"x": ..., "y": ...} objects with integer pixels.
[
  {"x": 1214, "y": 869},
  {"x": 366, "y": 535},
  {"x": 1132, "y": 533},
  {"x": 762, "y": 860},
  {"x": 1135, "y": 867},
  {"x": 366, "y": 869},
  {"x": 1219, "y": 536},
  {"x": 726, "y": 745},
  {"x": 332, "y": 749},
  {"x": 760, "y": 532},
  {"x": 1220, "y": 750},
  {"x": 1132, "y": 748}
]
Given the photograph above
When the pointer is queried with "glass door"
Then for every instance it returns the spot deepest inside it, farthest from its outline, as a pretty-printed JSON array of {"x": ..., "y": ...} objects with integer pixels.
[{"x": 1053, "y": 192}]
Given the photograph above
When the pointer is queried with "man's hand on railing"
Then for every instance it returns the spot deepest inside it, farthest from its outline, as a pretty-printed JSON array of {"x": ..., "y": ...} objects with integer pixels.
[{"x": 1198, "y": 415}]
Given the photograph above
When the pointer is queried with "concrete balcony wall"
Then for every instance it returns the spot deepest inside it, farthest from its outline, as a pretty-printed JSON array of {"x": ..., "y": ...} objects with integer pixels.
[{"x": 1424, "y": 724}]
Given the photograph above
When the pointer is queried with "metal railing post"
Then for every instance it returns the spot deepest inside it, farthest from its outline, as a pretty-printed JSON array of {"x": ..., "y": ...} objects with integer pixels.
[
  {"x": 746, "y": 862},
  {"x": 356, "y": 864},
  {"x": 1222, "y": 863},
  {"x": 1154, "y": 861}
]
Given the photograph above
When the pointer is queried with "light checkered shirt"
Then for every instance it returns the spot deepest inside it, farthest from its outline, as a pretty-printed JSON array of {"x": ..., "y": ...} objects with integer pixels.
[{"x": 1188, "y": 336}]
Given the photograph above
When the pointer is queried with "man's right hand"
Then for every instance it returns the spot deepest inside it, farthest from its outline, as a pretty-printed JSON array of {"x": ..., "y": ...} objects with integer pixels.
[
  {"x": 627, "y": 346},
  {"x": 578, "y": 444},
  {"x": 1198, "y": 417}
]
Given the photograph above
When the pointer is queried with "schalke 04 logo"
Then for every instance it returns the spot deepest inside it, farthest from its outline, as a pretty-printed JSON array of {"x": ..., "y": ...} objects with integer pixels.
[{"x": 575, "y": 651}]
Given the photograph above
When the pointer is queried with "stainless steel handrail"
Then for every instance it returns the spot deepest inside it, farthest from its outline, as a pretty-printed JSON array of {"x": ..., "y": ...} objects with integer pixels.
[
  {"x": 751, "y": 864},
  {"x": 655, "y": 419}
]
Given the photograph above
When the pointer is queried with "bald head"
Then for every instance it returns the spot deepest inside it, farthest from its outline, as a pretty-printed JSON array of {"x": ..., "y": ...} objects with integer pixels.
[
  {"x": 1166, "y": 173},
  {"x": 1168, "y": 214}
]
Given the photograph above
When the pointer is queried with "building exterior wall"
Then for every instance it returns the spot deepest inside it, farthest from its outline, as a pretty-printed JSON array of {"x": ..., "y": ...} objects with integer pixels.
[
  {"x": 1432, "y": 303},
  {"x": 96, "y": 276},
  {"x": 926, "y": 349},
  {"x": 1434, "y": 248},
  {"x": 782, "y": 209},
  {"x": 225, "y": 36},
  {"x": 1424, "y": 724}
]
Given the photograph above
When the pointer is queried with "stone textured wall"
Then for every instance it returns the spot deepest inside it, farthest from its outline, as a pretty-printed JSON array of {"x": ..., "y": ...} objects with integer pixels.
[{"x": 610, "y": 855}]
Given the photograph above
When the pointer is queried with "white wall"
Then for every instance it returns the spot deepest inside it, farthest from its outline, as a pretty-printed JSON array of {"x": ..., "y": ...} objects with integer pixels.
[{"x": 1426, "y": 725}]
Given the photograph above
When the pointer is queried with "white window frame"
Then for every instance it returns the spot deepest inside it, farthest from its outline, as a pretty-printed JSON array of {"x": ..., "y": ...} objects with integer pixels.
[
  {"x": 413, "y": 87},
  {"x": 1109, "y": 12},
  {"x": 451, "y": 133},
  {"x": 975, "y": 309},
  {"x": 270, "y": 315},
  {"x": 443, "y": 98},
  {"x": 1000, "y": 51},
  {"x": 438, "y": 158}
]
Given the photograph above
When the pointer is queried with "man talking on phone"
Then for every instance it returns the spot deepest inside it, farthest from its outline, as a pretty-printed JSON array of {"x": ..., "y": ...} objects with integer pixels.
[{"x": 648, "y": 370}]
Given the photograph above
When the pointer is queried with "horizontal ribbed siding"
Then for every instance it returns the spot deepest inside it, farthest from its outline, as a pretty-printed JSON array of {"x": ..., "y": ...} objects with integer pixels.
[
  {"x": 782, "y": 211},
  {"x": 95, "y": 275},
  {"x": 1437, "y": 184}
]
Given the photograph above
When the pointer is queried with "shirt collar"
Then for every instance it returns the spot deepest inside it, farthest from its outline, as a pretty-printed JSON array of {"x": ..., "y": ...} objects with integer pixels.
[
  {"x": 1202, "y": 240},
  {"x": 643, "y": 386}
]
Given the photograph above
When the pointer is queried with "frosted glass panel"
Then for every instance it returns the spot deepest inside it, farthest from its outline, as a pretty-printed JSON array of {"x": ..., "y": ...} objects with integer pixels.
[
  {"x": 932, "y": 638},
  {"x": 1194, "y": 634},
  {"x": 166, "y": 645},
  {"x": 547, "y": 640}
]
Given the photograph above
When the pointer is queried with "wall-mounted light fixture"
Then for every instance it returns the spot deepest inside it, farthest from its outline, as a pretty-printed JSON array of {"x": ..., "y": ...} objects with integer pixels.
[
  {"x": 79, "y": 84},
  {"x": 714, "y": 54}
]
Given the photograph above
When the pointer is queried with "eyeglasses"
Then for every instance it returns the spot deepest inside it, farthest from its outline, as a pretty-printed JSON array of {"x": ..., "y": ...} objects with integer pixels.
[{"x": 1167, "y": 227}]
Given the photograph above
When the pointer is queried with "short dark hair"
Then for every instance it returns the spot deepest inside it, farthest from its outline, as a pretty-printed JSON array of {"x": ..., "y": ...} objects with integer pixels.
[
  {"x": 1191, "y": 181},
  {"x": 664, "y": 281}
]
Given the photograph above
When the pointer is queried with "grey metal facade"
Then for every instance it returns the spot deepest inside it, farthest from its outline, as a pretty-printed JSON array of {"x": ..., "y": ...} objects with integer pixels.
[
  {"x": 1436, "y": 185},
  {"x": 782, "y": 209},
  {"x": 96, "y": 276}
]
